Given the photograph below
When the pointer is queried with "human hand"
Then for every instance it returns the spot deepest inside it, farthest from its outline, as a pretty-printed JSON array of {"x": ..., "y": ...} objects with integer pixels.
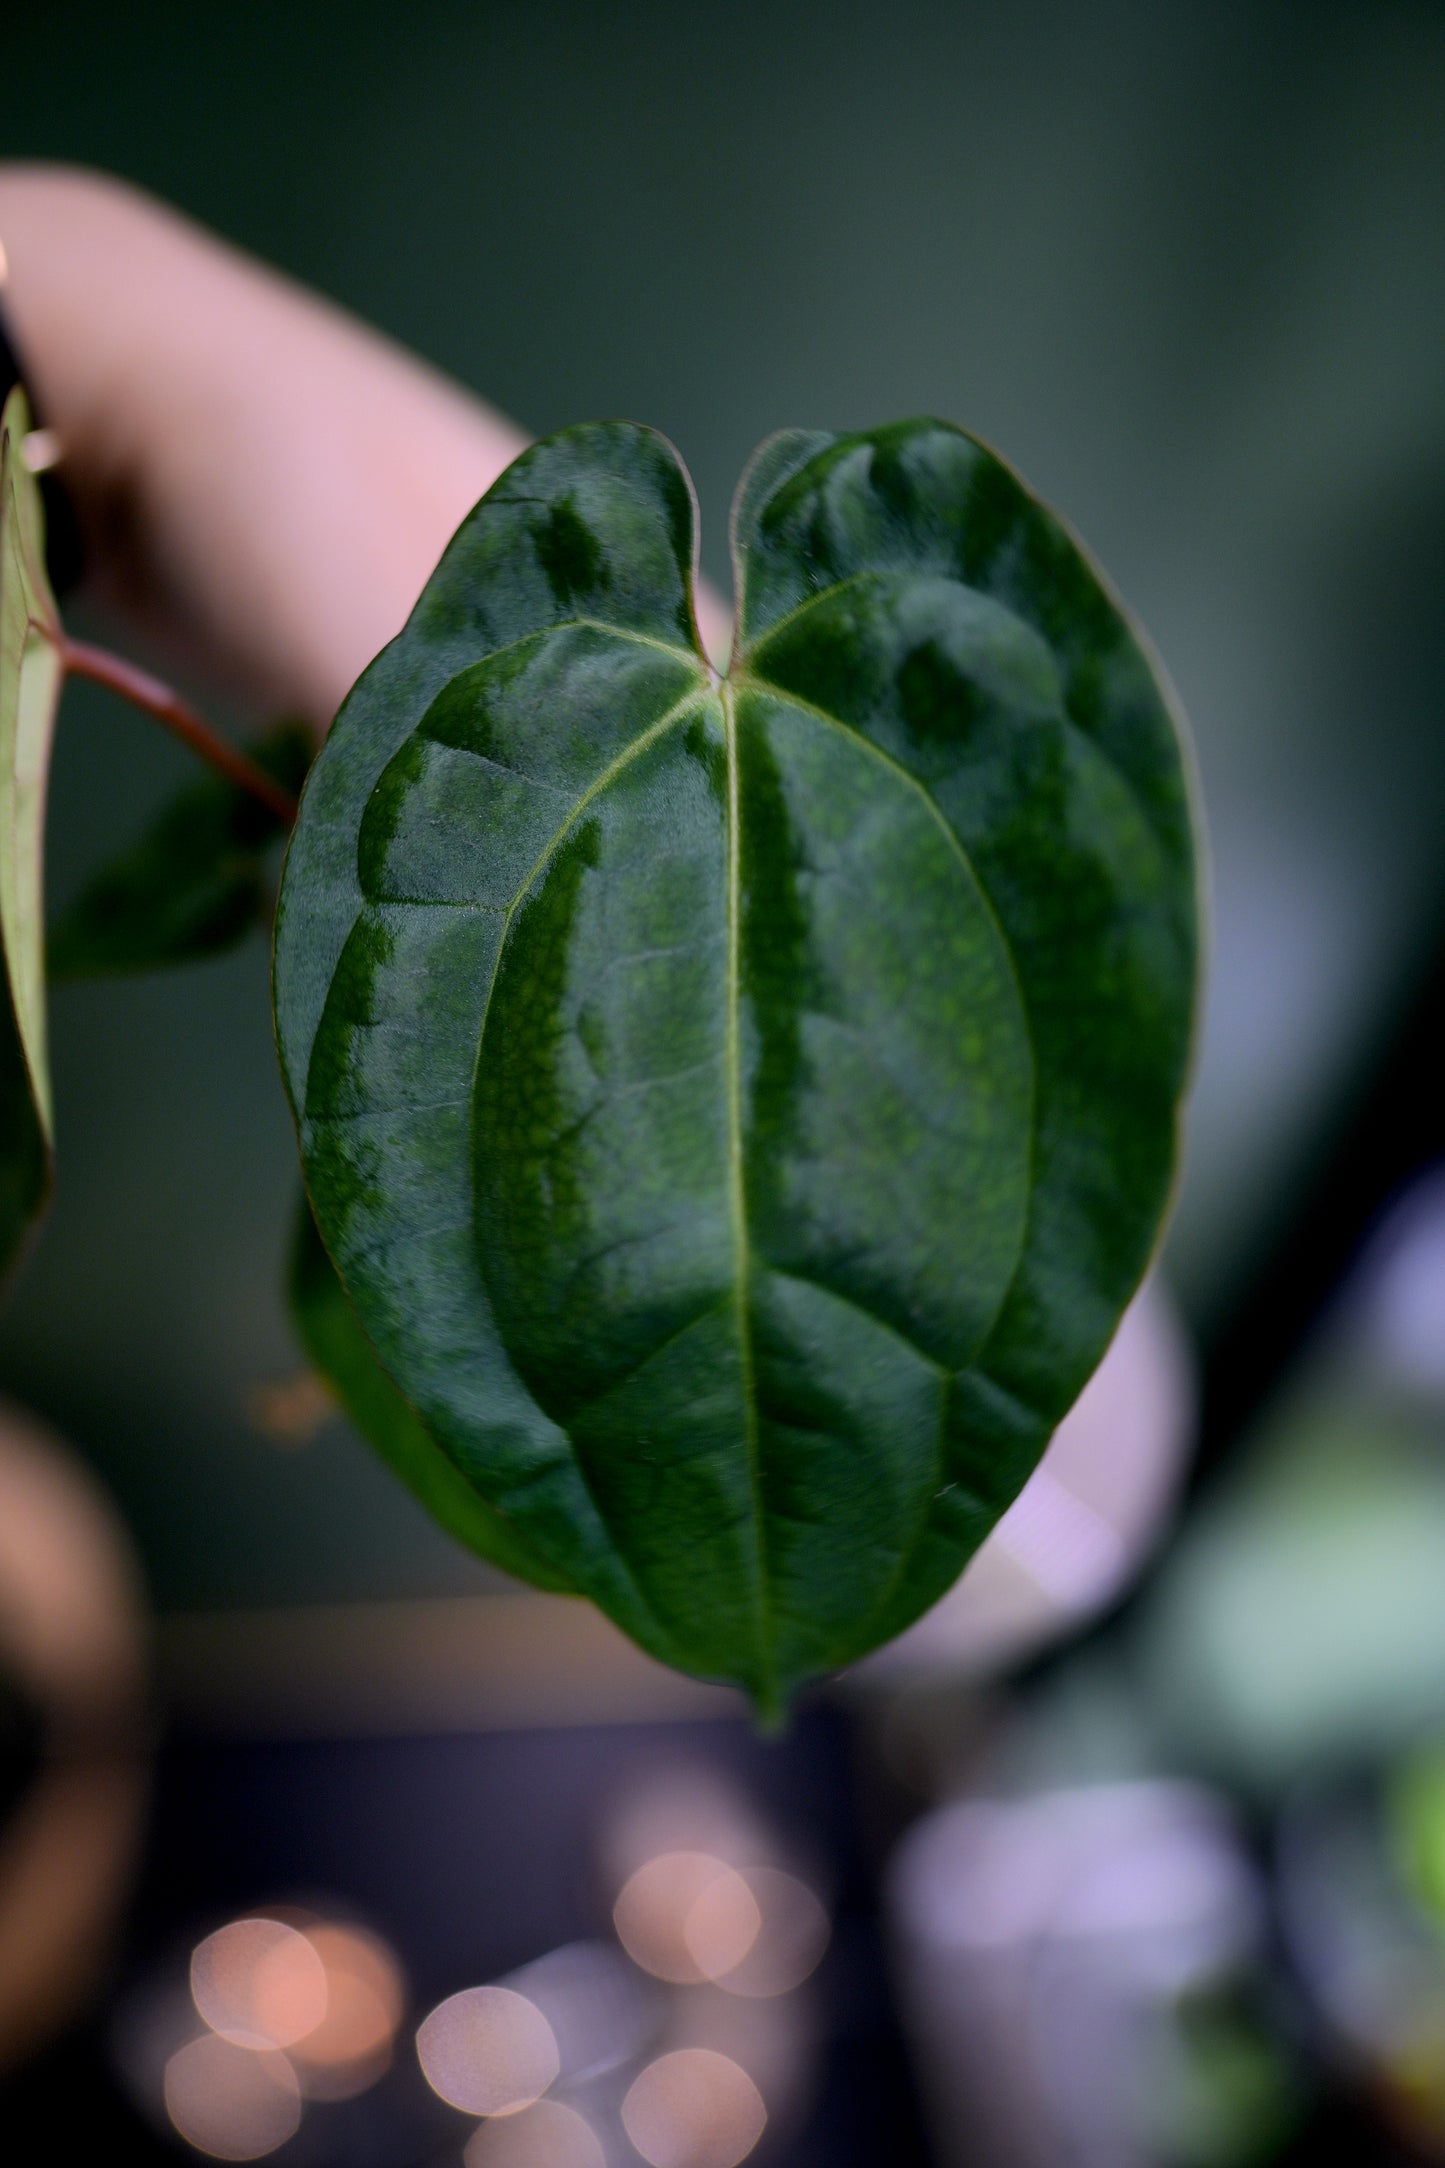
[{"x": 263, "y": 483}]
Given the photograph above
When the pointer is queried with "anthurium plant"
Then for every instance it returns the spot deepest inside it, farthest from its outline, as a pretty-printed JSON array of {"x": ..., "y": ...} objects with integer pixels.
[{"x": 735, "y": 1105}]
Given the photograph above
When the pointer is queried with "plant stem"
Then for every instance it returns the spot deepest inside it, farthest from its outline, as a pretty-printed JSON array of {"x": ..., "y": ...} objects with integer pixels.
[{"x": 176, "y": 715}]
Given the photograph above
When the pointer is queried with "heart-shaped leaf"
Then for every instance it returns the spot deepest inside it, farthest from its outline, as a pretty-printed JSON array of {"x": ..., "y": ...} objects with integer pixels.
[
  {"x": 194, "y": 885},
  {"x": 31, "y": 675},
  {"x": 335, "y": 1343},
  {"x": 740, "y": 1109}
]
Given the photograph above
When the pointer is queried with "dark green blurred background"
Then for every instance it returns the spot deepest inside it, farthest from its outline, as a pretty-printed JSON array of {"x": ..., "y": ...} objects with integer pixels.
[{"x": 1184, "y": 265}]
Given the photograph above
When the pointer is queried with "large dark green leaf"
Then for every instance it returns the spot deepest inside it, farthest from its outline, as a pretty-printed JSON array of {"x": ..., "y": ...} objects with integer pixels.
[
  {"x": 31, "y": 674},
  {"x": 328, "y": 1330},
  {"x": 740, "y": 1110},
  {"x": 196, "y": 883}
]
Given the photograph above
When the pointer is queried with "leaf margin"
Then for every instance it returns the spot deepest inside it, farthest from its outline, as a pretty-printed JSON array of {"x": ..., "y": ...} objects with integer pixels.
[{"x": 31, "y": 680}]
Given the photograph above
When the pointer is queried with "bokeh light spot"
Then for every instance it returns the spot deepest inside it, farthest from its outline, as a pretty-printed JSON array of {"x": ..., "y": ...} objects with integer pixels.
[
  {"x": 234, "y": 2103},
  {"x": 351, "y": 2047},
  {"x": 546, "y": 2135},
  {"x": 488, "y": 2051},
  {"x": 791, "y": 1939},
  {"x": 694, "y": 2109},
  {"x": 258, "y": 1983},
  {"x": 686, "y": 1917}
]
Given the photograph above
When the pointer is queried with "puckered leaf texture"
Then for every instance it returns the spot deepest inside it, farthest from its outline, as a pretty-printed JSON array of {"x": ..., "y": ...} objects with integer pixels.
[
  {"x": 327, "y": 1328},
  {"x": 739, "y": 1108}
]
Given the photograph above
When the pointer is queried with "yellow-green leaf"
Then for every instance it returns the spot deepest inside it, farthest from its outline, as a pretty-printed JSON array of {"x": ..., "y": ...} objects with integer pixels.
[{"x": 31, "y": 673}]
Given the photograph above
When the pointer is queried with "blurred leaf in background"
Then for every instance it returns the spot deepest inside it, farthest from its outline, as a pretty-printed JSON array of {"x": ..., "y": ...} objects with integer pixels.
[
  {"x": 31, "y": 676},
  {"x": 196, "y": 883}
]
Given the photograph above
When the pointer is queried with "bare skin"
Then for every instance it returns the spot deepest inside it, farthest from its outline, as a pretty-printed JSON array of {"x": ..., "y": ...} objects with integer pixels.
[{"x": 263, "y": 483}]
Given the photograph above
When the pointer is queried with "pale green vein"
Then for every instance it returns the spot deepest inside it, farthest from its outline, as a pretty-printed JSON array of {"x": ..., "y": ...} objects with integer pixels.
[
  {"x": 891, "y": 580},
  {"x": 643, "y": 639},
  {"x": 768, "y": 1691},
  {"x": 615, "y": 1384},
  {"x": 871, "y": 1317},
  {"x": 908, "y": 1552},
  {"x": 600, "y": 782},
  {"x": 674, "y": 649},
  {"x": 810, "y": 602}
]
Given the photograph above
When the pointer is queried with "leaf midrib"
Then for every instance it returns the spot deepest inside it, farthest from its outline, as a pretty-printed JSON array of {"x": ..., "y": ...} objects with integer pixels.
[
  {"x": 737, "y": 1197},
  {"x": 740, "y": 678},
  {"x": 692, "y": 699}
]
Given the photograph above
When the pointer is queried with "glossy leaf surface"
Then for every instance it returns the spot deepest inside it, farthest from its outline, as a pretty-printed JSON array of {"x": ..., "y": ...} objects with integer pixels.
[
  {"x": 740, "y": 1110},
  {"x": 335, "y": 1344},
  {"x": 195, "y": 884},
  {"x": 31, "y": 675}
]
